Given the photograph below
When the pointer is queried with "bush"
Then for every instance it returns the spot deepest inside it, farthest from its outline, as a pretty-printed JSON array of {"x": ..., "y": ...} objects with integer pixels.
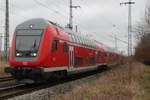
[{"x": 142, "y": 51}]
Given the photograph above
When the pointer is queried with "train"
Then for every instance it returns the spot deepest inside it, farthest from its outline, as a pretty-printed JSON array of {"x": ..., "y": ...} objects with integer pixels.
[{"x": 43, "y": 50}]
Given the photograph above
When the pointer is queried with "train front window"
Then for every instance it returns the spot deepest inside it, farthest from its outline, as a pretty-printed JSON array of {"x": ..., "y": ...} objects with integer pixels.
[{"x": 28, "y": 41}]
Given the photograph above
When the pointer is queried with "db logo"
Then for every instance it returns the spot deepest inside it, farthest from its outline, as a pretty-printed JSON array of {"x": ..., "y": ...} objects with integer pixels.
[
  {"x": 25, "y": 63},
  {"x": 54, "y": 59}
]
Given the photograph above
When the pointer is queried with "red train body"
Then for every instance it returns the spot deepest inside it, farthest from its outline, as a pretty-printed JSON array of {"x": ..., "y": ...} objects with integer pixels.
[{"x": 41, "y": 49}]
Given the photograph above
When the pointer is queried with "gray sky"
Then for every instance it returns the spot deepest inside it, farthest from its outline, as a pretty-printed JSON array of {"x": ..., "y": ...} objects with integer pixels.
[{"x": 98, "y": 18}]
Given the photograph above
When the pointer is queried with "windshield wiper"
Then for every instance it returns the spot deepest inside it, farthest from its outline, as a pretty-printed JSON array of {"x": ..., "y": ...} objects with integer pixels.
[
  {"x": 34, "y": 44},
  {"x": 33, "y": 47}
]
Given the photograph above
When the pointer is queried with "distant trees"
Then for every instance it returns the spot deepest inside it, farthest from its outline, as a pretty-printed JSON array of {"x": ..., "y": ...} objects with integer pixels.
[{"x": 142, "y": 50}]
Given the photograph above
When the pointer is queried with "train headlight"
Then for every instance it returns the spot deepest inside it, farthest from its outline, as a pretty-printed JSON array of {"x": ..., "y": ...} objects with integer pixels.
[
  {"x": 18, "y": 54},
  {"x": 34, "y": 54}
]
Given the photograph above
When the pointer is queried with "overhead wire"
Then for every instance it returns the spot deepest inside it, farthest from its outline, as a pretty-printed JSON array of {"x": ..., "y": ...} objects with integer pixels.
[
  {"x": 60, "y": 5},
  {"x": 14, "y": 13},
  {"x": 45, "y": 6},
  {"x": 54, "y": 11}
]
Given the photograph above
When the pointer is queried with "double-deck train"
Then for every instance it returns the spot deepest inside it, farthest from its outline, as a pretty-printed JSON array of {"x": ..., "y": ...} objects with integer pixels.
[{"x": 42, "y": 50}]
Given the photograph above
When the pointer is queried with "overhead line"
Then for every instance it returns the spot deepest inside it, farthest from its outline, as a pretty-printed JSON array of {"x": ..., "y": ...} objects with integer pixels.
[
  {"x": 45, "y": 6},
  {"x": 14, "y": 13}
]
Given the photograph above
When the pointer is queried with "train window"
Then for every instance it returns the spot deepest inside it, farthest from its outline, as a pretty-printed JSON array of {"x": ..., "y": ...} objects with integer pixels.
[
  {"x": 65, "y": 47},
  {"x": 82, "y": 41},
  {"x": 54, "y": 45},
  {"x": 78, "y": 61},
  {"x": 27, "y": 42},
  {"x": 86, "y": 43},
  {"x": 79, "y": 40},
  {"x": 76, "y": 39},
  {"x": 92, "y": 60},
  {"x": 70, "y": 38},
  {"x": 92, "y": 44},
  {"x": 89, "y": 43},
  {"x": 73, "y": 38}
]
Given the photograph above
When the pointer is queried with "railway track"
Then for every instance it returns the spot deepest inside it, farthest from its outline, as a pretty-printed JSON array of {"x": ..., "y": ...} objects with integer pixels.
[
  {"x": 8, "y": 92},
  {"x": 4, "y": 79}
]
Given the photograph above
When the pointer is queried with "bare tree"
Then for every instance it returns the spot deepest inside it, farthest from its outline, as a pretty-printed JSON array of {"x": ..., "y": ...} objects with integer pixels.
[
  {"x": 143, "y": 34},
  {"x": 147, "y": 15}
]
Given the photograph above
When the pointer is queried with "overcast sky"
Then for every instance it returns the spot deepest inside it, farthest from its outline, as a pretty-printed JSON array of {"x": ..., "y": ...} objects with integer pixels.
[{"x": 100, "y": 19}]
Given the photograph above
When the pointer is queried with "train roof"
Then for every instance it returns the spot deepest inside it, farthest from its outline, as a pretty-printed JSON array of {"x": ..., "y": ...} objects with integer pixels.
[
  {"x": 40, "y": 23},
  {"x": 37, "y": 23}
]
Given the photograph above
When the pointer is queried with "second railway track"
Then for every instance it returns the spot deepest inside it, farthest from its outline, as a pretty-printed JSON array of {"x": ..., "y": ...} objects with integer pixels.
[{"x": 4, "y": 79}]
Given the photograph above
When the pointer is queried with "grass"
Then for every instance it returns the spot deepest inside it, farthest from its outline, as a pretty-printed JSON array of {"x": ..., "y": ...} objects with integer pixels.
[
  {"x": 124, "y": 83},
  {"x": 3, "y": 64},
  {"x": 146, "y": 81}
]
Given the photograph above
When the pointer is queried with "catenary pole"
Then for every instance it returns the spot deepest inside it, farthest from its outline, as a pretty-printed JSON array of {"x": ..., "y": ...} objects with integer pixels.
[
  {"x": 71, "y": 14},
  {"x": 129, "y": 3},
  {"x": 6, "y": 42}
]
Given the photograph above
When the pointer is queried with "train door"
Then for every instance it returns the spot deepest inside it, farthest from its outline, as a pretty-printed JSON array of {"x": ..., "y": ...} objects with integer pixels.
[
  {"x": 71, "y": 57},
  {"x": 59, "y": 53}
]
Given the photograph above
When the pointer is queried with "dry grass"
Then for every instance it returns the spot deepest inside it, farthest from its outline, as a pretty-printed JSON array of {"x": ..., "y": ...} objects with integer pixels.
[
  {"x": 146, "y": 85},
  {"x": 142, "y": 50},
  {"x": 3, "y": 64},
  {"x": 119, "y": 84}
]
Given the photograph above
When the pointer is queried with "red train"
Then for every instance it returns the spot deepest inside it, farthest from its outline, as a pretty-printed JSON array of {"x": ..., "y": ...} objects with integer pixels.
[{"x": 42, "y": 49}]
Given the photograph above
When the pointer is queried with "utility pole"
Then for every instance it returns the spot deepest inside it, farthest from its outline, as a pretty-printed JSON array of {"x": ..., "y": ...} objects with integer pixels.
[
  {"x": 1, "y": 42},
  {"x": 129, "y": 25},
  {"x": 71, "y": 14},
  {"x": 6, "y": 42}
]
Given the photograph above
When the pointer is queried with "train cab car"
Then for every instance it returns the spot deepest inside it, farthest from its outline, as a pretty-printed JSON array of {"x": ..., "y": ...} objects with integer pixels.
[
  {"x": 41, "y": 50},
  {"x": 35, "y": 49}
]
